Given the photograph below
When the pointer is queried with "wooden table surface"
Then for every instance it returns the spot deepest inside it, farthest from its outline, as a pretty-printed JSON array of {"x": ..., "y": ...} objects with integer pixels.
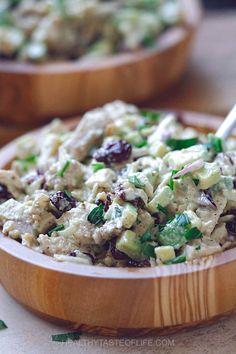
[{"x": 208, "y": 86}]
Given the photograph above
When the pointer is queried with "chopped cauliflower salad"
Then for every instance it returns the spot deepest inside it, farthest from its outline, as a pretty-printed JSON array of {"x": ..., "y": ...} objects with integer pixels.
[
  {"x": 36, "y": 31},
  {"x": 125, "y": 188}
]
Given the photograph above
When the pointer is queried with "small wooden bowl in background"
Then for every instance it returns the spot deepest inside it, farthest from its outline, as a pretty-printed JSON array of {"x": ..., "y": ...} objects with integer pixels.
[
  {"x": 120, "y": 301},
  {"x": 30, "y": 94}
]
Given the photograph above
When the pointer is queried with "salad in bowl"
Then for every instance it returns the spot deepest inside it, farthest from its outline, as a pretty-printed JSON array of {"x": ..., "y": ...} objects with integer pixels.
[{"x": 124, "y": 188}]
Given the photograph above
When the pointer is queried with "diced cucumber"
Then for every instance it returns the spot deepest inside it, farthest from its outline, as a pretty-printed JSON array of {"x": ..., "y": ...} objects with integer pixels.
[
  {"x": 195, "y": 220},
  {"x": 208, "y": 175},
  {"x": 134, "y": 138},
  {"x": 158, "y": 149},
  {"x": 129, "y": 216},
  {"x": 165, "y": 253},
  {"x": 129, "y": 243},
  {"x": 179, "y": 158},
  {"x": 162, "y": 196}
]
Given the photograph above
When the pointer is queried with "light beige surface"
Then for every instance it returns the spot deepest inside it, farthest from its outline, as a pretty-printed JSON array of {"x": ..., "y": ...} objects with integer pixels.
[{"x": 27, "y": 334}]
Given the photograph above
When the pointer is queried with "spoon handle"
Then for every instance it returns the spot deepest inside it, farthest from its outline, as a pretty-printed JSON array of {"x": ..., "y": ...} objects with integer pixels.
[{"x": 228, "y": 125}]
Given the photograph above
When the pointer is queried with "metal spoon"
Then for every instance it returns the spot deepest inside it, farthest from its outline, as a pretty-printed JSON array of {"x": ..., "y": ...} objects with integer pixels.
[{"x": 228, "y": 125}]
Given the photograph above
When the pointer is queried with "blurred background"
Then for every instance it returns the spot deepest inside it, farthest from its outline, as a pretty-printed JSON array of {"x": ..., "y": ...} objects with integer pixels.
[{"x": 209, "y": 81}]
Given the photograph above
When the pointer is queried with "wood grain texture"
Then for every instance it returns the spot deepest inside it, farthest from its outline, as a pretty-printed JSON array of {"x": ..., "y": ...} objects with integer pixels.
[
  {"x": 30, "y": 94},
  {"x": 120, "y": 301}
]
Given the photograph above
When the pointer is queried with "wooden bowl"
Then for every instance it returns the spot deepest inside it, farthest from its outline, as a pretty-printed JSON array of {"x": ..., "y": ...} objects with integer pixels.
[
  {"x": 30, "y": 94},
  {"x": 120, "y": 301}
]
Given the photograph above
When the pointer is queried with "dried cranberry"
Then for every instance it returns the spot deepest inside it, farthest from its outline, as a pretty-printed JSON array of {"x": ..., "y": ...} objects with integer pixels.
[
  {"x": 116, "y": 254},
  {"x": 105, "y": 203},
  {"x": 138, "y": 264},
  {"x": 4, "y": 193},
  {"x": 63, "y": 201},
  {"x": 72, "y": 254},
  {"x": 114, "y": 151},
  {"x": 138, "y": 202}
]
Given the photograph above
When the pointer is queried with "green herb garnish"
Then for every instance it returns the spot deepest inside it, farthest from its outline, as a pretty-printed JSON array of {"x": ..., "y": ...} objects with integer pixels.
[
  {"x": 151, "y": 116},
  {"x": 27, "y": 161},
  {"x": 215, "y": 143},
  {"x": 196, "y": 181},
  {"x": 162, "y": 209},
  {"x": 57, "y": 228},
  {"x": 179, "y": 259},
  {"x": 62, "y": 172},
  {"x": 171, "y": 184},
  {"x": 178, "y": 144},
  {"x": 136, "y": 181},
  {"x": 147, "y": 236},
  {"x": 68, "y": 193},
  {"x": 193, "y": 234},
  {"x": 149, "y": 41},
  {"x": 198, "y": 247},
  {"x": 64, "y": 337},
  {"x": 98, "y": 166},
  {"x": 2, "y": 325},
  {"x": 141, "y": 144},
  {"x": 148, "y": 250},
  {"x": 96, "y": 215}
]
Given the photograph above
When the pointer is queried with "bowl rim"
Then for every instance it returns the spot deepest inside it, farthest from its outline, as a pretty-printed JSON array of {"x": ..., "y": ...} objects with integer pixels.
[
  {"x": 171, "y": 37},
  {"x": 34, "y": 258}
]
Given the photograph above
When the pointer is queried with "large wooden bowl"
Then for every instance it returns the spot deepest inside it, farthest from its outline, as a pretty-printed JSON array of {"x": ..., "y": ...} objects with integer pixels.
[
  {"x": 120, "y": 301},
  {"x": 31, "y": 94}
]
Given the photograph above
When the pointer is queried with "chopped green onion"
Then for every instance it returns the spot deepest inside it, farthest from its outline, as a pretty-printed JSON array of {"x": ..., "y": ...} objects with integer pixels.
[
  {"x": 147, "y": 236},
  {"x": 162, "y": 209},
  {"x": 198, "y": 247},
  {"x": 215, "y": 143},
  {"x": 178, "y": 144},
  {"x": 196, "y": 181},
  {"x": 141, "y": 144},
  {"x": 148, "y": 250},
  {"x": 62, "y": 172},
  {"x": 64, "y": 337},
  {"x": 29, "y": 160},
  {"x": 182, "y": 219},
  {"x": 143, "y": 126},
  {"x": 96, "y": 215},
  {"x": 149, "y": 41},
  {"x": 57, "y": 228},
  {"x": 136, "y": 181},
  {"x": 98, "y": 166},
  {"x": 152, "y": 116},
  {"x": 68, "y": 194},
  {"x": 171, "y": 184},
  {"x": 179, "y": 259},
  {"x": 193, "y": 234},
  {"x": 3, "y": 325}
]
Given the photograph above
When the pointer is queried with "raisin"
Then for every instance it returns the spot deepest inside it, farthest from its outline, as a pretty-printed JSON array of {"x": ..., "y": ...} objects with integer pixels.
[
  {"x": 62, "y": 201},
  {"x": 137, "y": 202},
  {"x": 4, "y": 193},
  {"x": 115, "y": 151}
]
